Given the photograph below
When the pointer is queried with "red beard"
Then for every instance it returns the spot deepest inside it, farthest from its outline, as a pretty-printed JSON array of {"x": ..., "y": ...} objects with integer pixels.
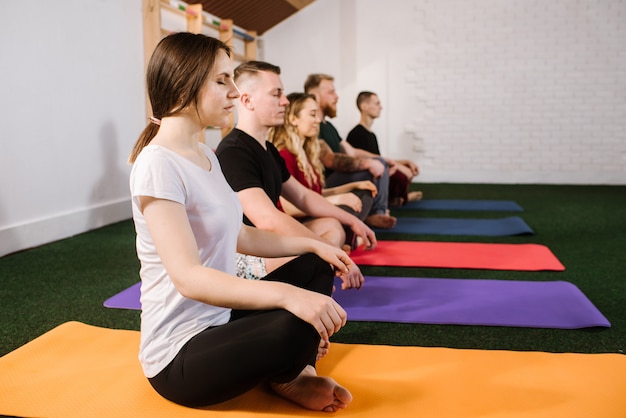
[{"x": 329, "y": 110}]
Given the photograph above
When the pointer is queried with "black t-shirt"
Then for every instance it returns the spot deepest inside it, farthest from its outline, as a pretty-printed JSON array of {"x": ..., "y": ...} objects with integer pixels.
[
  {"x": 246, "y": 164},
  {"x": 360, "y": 137}
]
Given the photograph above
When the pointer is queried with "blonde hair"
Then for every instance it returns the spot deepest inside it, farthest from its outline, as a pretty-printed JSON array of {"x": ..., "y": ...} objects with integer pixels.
[{"x": 286, "y": 137}]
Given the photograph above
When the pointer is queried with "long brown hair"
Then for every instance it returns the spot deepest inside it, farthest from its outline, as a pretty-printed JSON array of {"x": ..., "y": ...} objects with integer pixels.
[
  {"x": 177, "y": 70},
  {"x": 286, "y": 137}
]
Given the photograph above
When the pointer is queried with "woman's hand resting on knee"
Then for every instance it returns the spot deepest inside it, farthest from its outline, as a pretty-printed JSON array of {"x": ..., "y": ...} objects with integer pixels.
[{"x": 319, "y": 310}]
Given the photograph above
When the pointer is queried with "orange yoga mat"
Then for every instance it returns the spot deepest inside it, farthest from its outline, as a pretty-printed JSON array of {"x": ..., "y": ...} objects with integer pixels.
[
  {"x": 82, "y": 370},
  {"x": 462, "y": 255}
]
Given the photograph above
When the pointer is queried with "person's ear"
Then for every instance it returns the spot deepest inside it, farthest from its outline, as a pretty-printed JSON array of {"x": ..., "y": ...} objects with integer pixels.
[
  {"x": 247, "y": 101},
  {"x": 293, "y": 120}
]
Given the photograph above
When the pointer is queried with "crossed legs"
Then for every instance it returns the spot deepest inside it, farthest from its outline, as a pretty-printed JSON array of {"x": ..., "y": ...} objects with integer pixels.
[{"x": 274, "y": 346}]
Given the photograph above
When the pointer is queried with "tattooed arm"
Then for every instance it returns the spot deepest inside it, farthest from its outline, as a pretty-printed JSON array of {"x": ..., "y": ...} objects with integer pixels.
[{"x": 341, "y": 162}]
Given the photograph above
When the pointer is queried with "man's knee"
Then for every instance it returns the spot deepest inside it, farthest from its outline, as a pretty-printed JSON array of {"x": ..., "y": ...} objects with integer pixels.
[{"x": 328, "y": 228}]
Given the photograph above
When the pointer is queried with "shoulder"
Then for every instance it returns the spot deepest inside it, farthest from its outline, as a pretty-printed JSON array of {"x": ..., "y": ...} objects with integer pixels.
[
  {"x": 355, "y": 134},
  {"x": 158, "y": 172},
  {"x": 360, "y": 129},
  {"x": 232, "y": 139},
  {"x": 151, "y": 156},
  {"x": 354, "y": 131},
  {"x": 360, "y": 132},
  {"x": 237, "y": 146},
  {"x": 286, "y": 154},
  {"x": 327, "y": 126},
  {"x": 290, "y": 161}
]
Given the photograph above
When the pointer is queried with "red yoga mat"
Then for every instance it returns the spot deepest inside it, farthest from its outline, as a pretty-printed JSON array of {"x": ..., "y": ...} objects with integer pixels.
[{"x": 462, "y": 255}]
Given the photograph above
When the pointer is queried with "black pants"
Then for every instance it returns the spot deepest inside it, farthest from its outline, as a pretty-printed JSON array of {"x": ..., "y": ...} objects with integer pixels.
[
  {"x": 223, "y": 362},
  {"x": 380, "y": 201},
  {"x": 366, "y": 206}
]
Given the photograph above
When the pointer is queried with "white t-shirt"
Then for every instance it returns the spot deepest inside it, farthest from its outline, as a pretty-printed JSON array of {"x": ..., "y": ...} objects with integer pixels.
[{"x": 169, "y": 320}]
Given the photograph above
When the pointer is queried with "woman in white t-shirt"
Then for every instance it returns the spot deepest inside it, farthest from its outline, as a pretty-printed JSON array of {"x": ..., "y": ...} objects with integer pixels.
[{"x": 207, "y": 335}]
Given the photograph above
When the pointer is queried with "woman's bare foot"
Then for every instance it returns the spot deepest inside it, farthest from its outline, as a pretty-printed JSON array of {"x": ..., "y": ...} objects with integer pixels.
[
  {"x": 381, "y": 221},
  {"x": 314, "y": 392},
  {"x": 414, "y": 196}
]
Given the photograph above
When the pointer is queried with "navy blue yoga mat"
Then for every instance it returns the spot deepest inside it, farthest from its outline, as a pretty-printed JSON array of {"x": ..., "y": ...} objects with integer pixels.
[
  {"x": 555, "y": 304},
  {"x": 468, "y": 204},
  {"x": 513, "y": 225}
]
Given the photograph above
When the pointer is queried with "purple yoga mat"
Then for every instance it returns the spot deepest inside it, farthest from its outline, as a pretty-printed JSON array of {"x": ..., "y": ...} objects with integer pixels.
[
  {"x": 453, "y": 301},
  {"x": 126, "y": 299},
  {"x": 555, "y": 304}
]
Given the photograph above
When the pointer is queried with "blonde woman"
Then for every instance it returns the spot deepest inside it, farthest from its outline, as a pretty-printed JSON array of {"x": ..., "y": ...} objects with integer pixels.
[{"x": 299, "y": 146}]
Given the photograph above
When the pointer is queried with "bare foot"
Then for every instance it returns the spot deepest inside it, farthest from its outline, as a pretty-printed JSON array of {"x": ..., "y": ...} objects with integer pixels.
[
  {"x": 396, "y": 201},
  {"x": 381, "y": 221},
  {"x": 414, "y": 196},
  {"x": 314, "y": 392}
]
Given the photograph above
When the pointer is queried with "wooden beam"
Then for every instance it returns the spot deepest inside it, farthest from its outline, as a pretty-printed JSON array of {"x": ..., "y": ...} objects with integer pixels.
[
  {"x": 194, "y": 18},
  {"x": 151, "y": 36},
  {"x": 250, "y": 51},
  {"x": 226, "y": 36},
  {"x": 299, "y": 4}
]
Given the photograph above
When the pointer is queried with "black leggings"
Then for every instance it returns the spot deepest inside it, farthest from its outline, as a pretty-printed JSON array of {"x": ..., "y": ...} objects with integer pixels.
[
  {"x": 366, "y": 206},
  {"x": 223, "y": 362}
]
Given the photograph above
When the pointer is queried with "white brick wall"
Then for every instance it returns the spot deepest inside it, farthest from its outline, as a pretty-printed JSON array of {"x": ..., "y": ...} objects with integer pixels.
[
  {"x": 517, "y": 91},
  {"x": 495, "y": 91}
]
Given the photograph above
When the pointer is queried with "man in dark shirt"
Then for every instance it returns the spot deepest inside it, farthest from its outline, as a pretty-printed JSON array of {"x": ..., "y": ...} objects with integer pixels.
[
  {"x": 256, "y": 171},
  {"x": 362, "y": 137},
  {"x": 344, "y": 163}
]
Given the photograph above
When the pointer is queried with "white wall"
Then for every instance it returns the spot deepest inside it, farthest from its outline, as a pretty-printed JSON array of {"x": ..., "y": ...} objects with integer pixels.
[
  {"x": 71, "y": 107},
  {"x": 474, "y": 91},
  {"x": 495, "y": 91}
]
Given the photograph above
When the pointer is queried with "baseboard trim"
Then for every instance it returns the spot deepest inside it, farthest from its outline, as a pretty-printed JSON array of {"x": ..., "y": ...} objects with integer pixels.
[{"x": 43, "y": 231}]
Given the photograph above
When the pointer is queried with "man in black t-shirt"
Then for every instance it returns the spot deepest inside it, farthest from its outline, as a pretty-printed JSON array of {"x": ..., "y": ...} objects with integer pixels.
[
  {"x": 256, "y": 171},
  {"x": 362, "y": 137}
]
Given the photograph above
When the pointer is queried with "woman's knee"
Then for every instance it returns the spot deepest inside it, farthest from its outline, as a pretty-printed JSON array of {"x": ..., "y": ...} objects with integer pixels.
[{"x": 321, "y": 274}]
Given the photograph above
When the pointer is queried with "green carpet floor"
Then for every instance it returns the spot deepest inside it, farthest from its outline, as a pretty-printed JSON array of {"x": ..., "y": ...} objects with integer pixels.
[{"x": 585, "y": 227}]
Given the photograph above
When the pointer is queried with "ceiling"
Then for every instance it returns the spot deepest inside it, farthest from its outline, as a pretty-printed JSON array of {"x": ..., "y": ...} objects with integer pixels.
[{"x": 253, "y": 14}]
